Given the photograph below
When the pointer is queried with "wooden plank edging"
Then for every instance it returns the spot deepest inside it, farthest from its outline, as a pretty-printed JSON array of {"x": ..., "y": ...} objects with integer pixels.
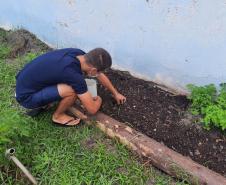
[{"x": 160, "y": 155}]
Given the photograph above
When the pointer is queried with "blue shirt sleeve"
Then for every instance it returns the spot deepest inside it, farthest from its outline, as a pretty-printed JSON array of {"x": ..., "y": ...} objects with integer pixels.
[{"x": 75, "y": 80}]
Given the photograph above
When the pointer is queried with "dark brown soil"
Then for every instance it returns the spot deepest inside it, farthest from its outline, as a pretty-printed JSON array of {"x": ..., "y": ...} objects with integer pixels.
[{"x": 164, "y": 117}]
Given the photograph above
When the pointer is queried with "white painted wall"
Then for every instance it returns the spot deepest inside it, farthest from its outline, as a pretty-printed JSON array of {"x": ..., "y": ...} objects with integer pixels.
[{"x": 174, "y": 42}]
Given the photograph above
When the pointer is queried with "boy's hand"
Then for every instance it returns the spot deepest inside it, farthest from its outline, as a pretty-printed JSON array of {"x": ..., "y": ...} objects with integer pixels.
[
  {"x": 120, "y": 98},
  {"x": 96, "y": 98}
]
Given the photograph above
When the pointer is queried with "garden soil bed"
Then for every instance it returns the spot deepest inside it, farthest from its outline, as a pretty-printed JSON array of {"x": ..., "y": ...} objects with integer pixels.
[{"x": 164, "y": 117}]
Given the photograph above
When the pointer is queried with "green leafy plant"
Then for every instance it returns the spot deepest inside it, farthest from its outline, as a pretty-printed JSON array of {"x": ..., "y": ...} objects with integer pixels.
[
  {"x": 221, "y": 99},
  {"x": 201, "y": 97},
  {"x": 215, "y": 115},
  {"x": 209, "y": 103}
]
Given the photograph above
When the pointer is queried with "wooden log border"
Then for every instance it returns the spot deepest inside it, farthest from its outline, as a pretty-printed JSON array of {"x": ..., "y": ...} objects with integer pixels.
[{"x": 159, "y": 155}]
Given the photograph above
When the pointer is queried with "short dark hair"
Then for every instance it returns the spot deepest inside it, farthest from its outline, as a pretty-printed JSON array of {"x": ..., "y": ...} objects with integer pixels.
[{"x": 99, "y": 58}]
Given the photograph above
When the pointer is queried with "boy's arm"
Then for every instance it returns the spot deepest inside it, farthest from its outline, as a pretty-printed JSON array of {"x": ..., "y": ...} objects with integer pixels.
[
  {"x": 91, "y": 104},
  {"x": 107, "y": 83}
]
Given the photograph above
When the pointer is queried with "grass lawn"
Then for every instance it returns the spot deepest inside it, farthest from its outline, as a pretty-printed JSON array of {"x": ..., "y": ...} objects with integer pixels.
[{"x": 61, "y": 156}]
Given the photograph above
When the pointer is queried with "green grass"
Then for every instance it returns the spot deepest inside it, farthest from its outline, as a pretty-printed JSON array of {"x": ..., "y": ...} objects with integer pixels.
[
  {"x": 64, "y": 156},
  {"x": 4, "y": 51},
  {"x": 10, "y": 116}
]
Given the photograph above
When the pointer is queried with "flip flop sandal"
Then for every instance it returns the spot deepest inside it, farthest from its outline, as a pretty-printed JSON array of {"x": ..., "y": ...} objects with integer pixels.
[{"x": 65, "y": 124}]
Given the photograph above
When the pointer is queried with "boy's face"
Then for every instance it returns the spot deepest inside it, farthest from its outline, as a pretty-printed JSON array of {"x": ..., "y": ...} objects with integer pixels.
[{"x": 92, "y": 72}]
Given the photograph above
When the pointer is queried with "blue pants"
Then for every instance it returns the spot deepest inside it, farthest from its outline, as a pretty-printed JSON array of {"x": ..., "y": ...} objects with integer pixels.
[{"x": 41, "y": 98}]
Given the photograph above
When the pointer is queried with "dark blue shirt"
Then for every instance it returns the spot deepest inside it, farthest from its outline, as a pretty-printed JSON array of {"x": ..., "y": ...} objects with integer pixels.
[{"x": 52, "y": 68}]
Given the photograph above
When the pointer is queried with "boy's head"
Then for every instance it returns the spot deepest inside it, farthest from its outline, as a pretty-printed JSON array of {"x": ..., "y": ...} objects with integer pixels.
[{"x": 99, "y": 59}]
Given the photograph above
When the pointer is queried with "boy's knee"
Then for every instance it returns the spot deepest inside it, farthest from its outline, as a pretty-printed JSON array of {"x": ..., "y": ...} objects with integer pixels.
[{"x": 66, "y": 90}]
